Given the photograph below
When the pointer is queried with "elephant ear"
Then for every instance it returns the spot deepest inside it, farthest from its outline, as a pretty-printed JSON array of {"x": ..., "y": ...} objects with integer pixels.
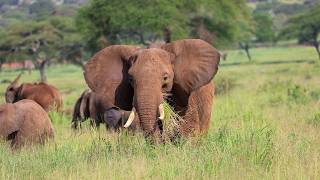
[
  {"x": 195, "y": 63},
  {"x": 106, "y": 73},
  {"x": 8, "y": 122}
]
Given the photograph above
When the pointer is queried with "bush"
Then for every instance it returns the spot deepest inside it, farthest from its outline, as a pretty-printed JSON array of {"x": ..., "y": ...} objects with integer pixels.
[
  {"x": 297, "y": 94},
  {"x": 224, "y": 85},
  {"x": 285, "y": 91},
  {"x": 315, "y": 119},
  {"x": 315, "y": 95}
]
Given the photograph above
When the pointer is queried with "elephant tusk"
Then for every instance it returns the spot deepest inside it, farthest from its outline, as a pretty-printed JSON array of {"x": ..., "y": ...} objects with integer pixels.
[
  {"x": 161, "y": 112},
  {"x": 131, "y": 118}
]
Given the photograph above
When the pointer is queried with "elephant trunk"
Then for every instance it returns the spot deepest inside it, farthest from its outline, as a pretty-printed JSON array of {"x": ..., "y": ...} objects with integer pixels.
[{"x": 147, "y": 103}]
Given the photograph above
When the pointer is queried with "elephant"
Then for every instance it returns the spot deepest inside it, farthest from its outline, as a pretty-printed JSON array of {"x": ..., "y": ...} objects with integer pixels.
[
  {"x": 88, "y": 106},
  {"x": 24, "y": 123},
  {"x": 47, "y": 96},
  {"x": 137, "y": 79}
]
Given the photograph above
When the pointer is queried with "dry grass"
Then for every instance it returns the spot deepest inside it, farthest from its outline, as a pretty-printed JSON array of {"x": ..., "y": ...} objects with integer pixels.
[{"x": 266, "y": 126}]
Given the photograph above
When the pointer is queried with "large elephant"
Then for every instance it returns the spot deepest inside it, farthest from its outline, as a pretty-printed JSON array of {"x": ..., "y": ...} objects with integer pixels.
[
  {"x": 88, "y": 106},
  {"x": 129, "y": 77},
  {"x": 47, "y": 96},
  {"x": 24, "y": 123}
]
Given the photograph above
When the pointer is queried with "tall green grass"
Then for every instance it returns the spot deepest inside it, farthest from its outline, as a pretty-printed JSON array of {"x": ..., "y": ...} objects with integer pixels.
[{"x": 265, "y": 124}]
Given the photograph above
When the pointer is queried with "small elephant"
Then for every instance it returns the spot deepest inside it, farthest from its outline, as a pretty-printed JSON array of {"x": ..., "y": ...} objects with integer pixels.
[
  {"x": 130, "y": 77},
  {"x": 24, "y": 123},
  {"x": 117, "y": 118},
  {"x": 88, "y": 106},
  {"x": 47, "y": 96}
]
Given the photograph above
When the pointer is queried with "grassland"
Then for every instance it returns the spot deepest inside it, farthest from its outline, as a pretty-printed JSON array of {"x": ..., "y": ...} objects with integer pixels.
[{"x": 265, "y": 124}]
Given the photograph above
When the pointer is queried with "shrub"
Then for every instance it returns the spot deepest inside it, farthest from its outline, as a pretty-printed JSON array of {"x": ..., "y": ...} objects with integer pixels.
[
  {"x": 224, "y": 85},
  {"x": 315, "y": 95},
  {"x": 315, "y": 119},
  {"x": 297, "y": 94}
]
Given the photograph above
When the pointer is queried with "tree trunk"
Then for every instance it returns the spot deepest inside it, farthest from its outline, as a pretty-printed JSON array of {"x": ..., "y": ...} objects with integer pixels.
[
  {"x": 316, "y": 46},
  {"x": 141, "y": 37},
  {"x": 42, "y": 66},
  {"x": 78, "y": 62},
  {"x": 248, "y": 52},
  {"x": 246, "y": 48},
  {"x": 167, "y": 35}
]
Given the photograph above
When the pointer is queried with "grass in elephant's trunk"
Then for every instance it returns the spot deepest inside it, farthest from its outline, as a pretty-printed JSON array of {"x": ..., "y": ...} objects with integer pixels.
[{"x": 171, "y": 121}]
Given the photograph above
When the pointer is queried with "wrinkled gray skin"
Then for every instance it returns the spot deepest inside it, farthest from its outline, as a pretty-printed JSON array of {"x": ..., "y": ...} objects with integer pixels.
[{"x": 24, "y": 123}]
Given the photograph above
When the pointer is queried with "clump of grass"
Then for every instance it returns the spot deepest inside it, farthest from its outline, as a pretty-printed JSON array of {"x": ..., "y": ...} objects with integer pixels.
[
  {"x": 224, "y": 85},
  {"x": 315, "y": 119},
  {"x": 58, "y": 118},
  {"x": 297, "y": 94},
  {"x": 284, "y": 91},
  {"x": 171, "y": 120},
  {"x": 315, "y": 94}
]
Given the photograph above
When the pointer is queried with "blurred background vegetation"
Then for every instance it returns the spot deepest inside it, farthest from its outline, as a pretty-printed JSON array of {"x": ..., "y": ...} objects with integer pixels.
[
  {"x": 266, "y": 117},
  {"x": 70, "y": 31}
]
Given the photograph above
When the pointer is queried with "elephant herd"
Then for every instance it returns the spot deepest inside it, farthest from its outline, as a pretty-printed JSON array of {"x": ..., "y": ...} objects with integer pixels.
[{"x": 128, "y": 86}]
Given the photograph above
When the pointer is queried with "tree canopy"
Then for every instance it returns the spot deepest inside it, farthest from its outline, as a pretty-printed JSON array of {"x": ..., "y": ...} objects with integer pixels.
[
  {"x": 264, "y": 27},
  {"x": 305, "y": 27},
  {"x": 105, "y": 22},
  {"x": 40, "y": 41},
  {"x": 27, "y": 39}
]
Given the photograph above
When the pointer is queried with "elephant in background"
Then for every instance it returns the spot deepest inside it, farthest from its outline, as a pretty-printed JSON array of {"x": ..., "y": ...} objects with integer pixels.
[
  {"x": 88, "y": 106},
  {"x": 24, "y": 123},
  {"x": 132, "y": 78},
  {"x": 47, "y": 96}
]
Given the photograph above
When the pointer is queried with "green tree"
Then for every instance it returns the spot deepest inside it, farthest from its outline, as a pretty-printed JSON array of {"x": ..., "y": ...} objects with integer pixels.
[
  {"x": 3, "y": 51},
  {"x": 247, "y": 33},
  {"x": 305, "y": 27},
  {"x": 40, "y": 9},
  {"x": 41, "y": 41},
  {"x": 220, "y": 18},
  {"x": 264, "y": 25},
  {"x": 105, "y": 22}
]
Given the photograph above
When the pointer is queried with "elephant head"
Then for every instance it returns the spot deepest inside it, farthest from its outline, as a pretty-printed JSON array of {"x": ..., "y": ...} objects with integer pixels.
[
  {"x": 24, "y": 122},
  {"x": 177, "y": 68},
  {"x": 116, "y": 118},
  {"x": 8, "y": 121},
  {"x": 12, "y": 90}
]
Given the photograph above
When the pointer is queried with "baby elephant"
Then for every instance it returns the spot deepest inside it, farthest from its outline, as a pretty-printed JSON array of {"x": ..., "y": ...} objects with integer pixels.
[
  {"x": 88, "y": 106},
  {"x": 24, "y": 123}
]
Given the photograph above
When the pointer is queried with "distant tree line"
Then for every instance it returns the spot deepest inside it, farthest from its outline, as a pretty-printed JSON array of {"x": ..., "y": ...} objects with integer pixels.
[{"x": 46, "y": 33}]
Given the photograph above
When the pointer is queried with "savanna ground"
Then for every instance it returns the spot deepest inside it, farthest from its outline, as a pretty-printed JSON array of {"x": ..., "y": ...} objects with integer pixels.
[{"x": 265, "y": 124}]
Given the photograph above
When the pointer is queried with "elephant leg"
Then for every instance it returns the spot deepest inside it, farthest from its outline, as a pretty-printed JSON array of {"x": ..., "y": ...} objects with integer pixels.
[
  {"x": 197, "y": 116},
  {"x": 16, "y": 142},
  {"x": 97, "y": 125},
  {"x": 205, "y": 103},
  {"x": 92, "y": 123}
]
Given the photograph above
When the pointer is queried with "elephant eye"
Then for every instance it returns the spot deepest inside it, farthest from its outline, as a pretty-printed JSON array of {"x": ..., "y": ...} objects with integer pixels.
[
  {"x": 130, "y": 79},
  {"x": 165, "y": 76}
]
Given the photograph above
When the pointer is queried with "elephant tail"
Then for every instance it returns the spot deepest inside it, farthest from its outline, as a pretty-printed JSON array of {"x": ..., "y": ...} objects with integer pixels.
[
  {"x": 81, "y": 110},
  {"x": 76, "y": 116}
]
